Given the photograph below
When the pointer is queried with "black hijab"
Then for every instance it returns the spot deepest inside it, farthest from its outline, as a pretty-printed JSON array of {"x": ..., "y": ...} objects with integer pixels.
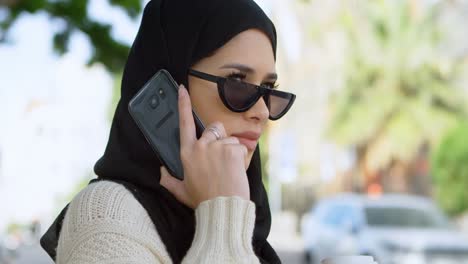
[{"x": 174, "y": 35}]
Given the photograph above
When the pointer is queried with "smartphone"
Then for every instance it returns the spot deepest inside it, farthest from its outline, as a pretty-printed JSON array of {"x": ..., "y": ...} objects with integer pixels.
[{"x": 155, "y": 111}]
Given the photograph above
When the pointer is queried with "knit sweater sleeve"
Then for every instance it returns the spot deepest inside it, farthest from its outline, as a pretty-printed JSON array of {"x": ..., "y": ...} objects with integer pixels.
[{"x": 106, "y": 224}]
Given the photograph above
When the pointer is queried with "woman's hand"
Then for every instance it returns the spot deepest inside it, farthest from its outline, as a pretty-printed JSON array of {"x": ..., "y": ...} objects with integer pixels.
[{"x": 211, "y": 167}]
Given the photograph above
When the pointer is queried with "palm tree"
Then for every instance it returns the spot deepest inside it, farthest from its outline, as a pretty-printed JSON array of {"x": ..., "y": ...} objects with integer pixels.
[{"x": 399, "y": 90}]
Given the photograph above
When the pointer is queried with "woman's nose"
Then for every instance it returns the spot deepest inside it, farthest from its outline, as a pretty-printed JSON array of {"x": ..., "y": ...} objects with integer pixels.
[{"x": 258, "y": 111}]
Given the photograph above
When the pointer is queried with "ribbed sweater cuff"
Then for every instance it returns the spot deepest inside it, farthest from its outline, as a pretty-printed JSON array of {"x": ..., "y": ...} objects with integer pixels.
[{"x": 224, "y": 228}]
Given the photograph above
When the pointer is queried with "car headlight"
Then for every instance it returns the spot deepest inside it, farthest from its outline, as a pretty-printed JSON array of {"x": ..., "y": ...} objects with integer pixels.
[{"x": 402, "y": 255}]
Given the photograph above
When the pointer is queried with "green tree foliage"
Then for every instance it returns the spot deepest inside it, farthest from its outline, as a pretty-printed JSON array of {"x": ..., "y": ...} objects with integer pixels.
[
  {"x": 450, "y": 171},
  {"x": 399, "y": 89},
  {"x": 75, "y": 17},
  {"x": 14, "y": 227}
]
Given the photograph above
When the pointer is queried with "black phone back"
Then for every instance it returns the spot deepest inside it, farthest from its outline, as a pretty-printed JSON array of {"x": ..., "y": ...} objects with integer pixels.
[{"x": 155, "y": 110}]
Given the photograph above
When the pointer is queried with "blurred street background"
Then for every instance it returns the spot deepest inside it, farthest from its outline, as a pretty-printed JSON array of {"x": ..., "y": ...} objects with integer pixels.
[{"x": 372, "y": 159}]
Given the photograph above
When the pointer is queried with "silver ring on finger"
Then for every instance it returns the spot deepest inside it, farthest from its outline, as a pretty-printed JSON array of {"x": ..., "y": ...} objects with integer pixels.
[{"x": 215, "y": 131}]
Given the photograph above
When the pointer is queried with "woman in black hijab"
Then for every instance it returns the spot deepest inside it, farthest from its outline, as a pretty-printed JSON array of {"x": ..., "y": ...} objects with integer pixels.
[{"x": 135, "y": 212}]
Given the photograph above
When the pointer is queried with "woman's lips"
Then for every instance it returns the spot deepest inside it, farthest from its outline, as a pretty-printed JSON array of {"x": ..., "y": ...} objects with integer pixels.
[
  {"x": 249, "y": 143},
  {"x": 248, "y": 139}
]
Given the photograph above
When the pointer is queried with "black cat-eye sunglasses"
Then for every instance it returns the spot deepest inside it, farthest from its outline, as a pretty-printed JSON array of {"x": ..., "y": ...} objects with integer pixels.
[{"x": 239, "y": 96}]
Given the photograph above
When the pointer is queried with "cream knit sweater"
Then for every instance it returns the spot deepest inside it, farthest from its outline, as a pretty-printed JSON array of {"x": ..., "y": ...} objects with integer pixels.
[{"x": 106, "y": 224}]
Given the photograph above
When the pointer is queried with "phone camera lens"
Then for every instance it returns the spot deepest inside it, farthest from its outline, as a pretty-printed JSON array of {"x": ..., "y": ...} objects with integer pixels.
[{"x": 154, "y": 101}]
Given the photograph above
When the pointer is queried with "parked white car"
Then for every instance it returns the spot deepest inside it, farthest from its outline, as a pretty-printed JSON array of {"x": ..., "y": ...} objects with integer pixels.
[{"x": 395, "y": 229}]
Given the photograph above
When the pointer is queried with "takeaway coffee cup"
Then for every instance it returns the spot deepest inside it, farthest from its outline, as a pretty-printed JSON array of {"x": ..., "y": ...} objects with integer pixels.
[{"x": 349, "y": 260}]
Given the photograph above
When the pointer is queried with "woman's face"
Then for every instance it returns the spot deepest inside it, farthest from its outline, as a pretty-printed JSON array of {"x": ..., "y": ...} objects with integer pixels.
[{"x": 247, "y": 57}]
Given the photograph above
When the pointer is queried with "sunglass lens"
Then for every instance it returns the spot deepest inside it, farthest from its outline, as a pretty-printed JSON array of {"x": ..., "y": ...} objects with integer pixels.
[
  {"x": 279, "y": 104},
  {"x": 239, "y": 95}
]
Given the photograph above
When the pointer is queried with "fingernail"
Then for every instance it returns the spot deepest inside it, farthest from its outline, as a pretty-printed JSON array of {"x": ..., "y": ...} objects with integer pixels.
[{"x": 182, "y": 91}]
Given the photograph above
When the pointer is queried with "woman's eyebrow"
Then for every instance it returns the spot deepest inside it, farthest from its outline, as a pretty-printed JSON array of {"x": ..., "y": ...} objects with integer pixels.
[{"x": 247, "y": 69}]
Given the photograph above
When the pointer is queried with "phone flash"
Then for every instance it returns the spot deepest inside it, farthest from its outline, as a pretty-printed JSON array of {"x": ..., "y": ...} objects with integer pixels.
[{"x": 161, "y": 93}]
